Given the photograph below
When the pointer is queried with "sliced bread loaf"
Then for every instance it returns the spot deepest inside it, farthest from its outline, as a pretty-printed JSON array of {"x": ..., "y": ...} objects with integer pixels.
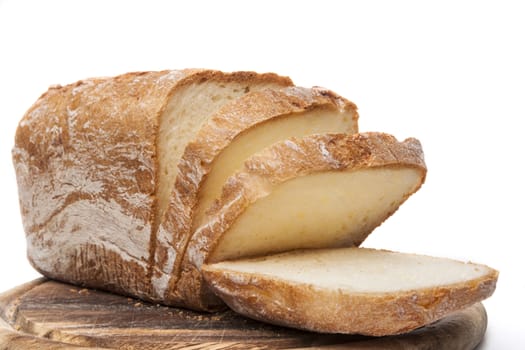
[{"x": 162, "y": 185}]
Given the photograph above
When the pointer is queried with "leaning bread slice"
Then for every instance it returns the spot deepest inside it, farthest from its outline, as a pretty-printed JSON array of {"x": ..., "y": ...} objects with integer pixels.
[
  {"x": 238, "y": 130},
  {"x": 316, "y": 192},
  {"x": 350, "y": 290},
  {"x": 95, "y": 161}
]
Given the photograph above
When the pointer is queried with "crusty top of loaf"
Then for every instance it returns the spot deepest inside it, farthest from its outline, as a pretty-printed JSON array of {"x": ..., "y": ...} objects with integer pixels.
[{"x": 134, "y": 97}]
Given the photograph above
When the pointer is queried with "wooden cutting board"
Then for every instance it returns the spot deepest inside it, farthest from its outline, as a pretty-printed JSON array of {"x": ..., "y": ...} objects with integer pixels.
[{"x": 44, "y": 314}]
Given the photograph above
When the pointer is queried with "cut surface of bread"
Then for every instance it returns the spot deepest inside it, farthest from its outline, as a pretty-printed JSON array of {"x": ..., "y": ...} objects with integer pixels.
[
  {"x": 315, "y": 121},
  {"x": 185, "y": 114},
  {"x": 325, "y": 190},
  {"x": 327, "y": 209},
  {"x": 349, "y": 290}
]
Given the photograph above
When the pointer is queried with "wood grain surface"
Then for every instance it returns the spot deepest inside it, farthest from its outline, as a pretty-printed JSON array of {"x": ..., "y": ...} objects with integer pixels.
[{"x": 45, "y": 314}]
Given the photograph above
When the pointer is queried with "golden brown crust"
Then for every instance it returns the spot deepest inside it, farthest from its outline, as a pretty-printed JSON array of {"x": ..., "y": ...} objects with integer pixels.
[
  {"x": 276, "y": 164},
  {"x": 231, "y": 121},
  {"x": 306, "y": 307},
  {"x": 85, "y": 156},
  {"x": 197, "y": 76}
]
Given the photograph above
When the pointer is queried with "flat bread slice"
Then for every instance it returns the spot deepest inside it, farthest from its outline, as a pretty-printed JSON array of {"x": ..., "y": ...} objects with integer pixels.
[{"x": 349, "y": 290}]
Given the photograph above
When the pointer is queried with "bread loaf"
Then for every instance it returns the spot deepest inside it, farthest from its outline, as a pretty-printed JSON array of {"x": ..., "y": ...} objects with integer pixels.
[{"x": 194, "y": 188}]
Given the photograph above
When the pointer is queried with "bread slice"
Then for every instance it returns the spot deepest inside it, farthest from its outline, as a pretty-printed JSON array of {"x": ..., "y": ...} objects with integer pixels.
[
  {"x": 315, "y": 192},
  {"x": 349, "y": 290},
  {"x": 95, "y": 162},
  {"x": 241, "y": 128}
]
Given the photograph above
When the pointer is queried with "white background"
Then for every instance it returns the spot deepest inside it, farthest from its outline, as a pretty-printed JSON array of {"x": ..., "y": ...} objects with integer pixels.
[{"x": 451, "y": 73}]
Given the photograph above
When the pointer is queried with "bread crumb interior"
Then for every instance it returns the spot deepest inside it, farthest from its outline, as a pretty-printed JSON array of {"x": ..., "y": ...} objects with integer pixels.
[
  {"x": 231, "y": 159},
  {"x": 356, "y": 269},
  {"x": 185, "y": 114},
  {"x": 321, "y": 210}
]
